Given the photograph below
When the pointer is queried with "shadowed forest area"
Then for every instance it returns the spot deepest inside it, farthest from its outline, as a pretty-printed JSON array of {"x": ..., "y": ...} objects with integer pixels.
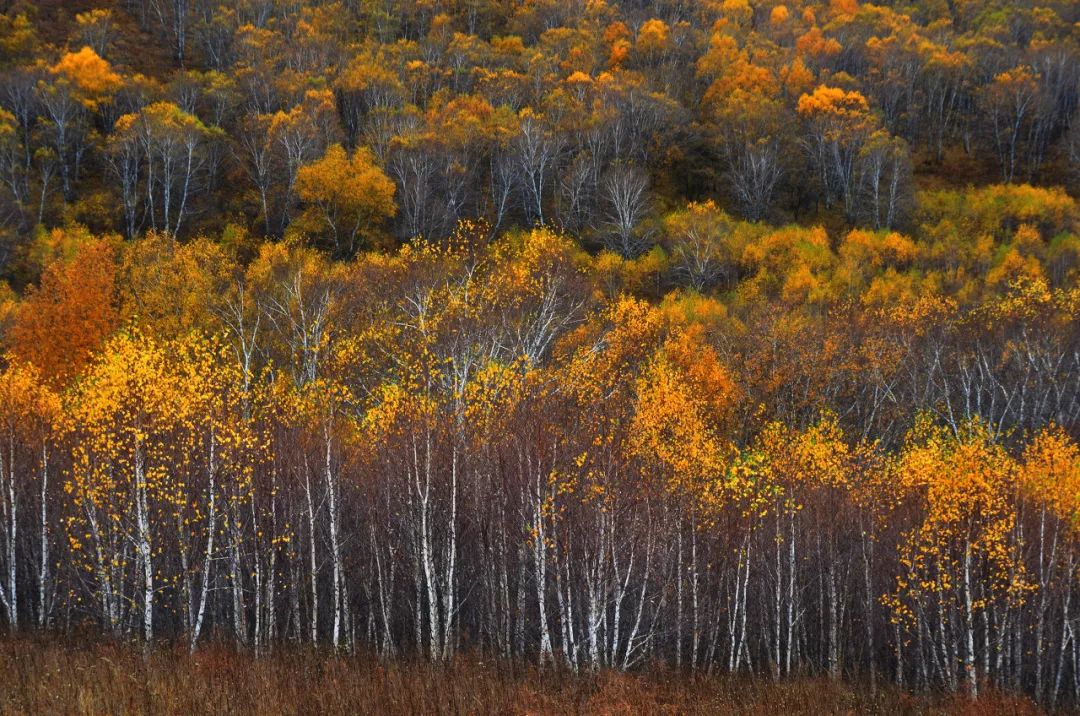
[{"x": 616, "y": 356}]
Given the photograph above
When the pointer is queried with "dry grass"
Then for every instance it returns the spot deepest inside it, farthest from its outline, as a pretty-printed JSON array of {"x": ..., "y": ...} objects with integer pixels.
[{"x": 50, "y": 677}]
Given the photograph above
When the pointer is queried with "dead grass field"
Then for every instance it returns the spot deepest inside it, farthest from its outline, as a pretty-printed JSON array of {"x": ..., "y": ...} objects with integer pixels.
[{"x": 52, "y": 677}]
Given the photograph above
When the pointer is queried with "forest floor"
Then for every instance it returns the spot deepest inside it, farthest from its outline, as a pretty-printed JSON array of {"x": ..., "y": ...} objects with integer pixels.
[
  {"x": 45, "y": 676},
  {"x": 133, "y": 50}
]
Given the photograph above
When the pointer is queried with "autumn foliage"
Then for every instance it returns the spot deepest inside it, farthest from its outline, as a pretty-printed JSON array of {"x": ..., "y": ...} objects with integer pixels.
[{"x": 713, "y": 337}]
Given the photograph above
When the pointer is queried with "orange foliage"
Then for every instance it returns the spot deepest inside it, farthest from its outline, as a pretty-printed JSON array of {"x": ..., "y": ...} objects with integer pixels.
[{"x": 61, "y": 324}]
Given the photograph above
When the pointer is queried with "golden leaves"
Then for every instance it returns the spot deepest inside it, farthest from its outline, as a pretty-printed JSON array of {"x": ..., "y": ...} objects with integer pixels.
[
  {"x": 835, "y": 104},
  {"x": 28, "y": 406},
  {"x": 1050, "y": 474},
  {"x": 348, "y": 195},
  {"x": 653, "y": 36},
  {"x": 89, "y": 73},
  {"x": 964, "y": 486}
]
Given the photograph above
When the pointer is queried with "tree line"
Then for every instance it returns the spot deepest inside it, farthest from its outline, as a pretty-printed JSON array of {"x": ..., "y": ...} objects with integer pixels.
[
  {"x": 593, "y": 118},
  {"x": 497, "y": 445}
]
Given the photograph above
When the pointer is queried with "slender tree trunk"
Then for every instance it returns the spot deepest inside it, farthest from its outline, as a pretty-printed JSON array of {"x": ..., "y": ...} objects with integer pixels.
[
  {"x": 208, "y": 555},
  {"x": 313, "y": 564},
  {"x": 969, "y": 628},
  {"x": 43, "y": 564},
  {"x": 540, "y": 561},
  {"x": 145, "y": 551},
  {"x": 335, "y": 547}
]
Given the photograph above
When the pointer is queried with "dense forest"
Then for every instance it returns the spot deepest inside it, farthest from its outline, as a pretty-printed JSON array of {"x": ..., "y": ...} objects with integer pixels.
[{"x": 740, "y": 337}]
